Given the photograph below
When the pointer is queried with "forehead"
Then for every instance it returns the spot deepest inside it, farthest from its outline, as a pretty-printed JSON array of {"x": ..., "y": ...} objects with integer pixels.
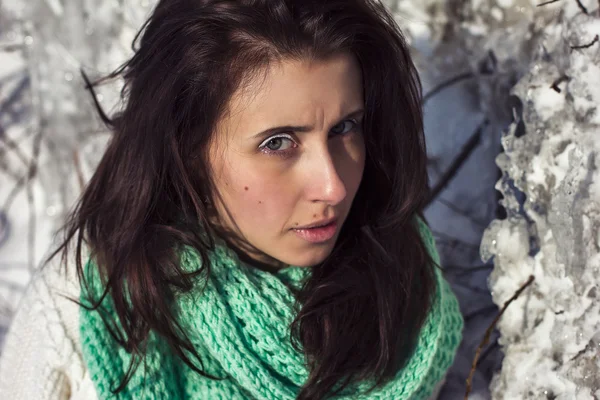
[{"x": 292, "y": 91}]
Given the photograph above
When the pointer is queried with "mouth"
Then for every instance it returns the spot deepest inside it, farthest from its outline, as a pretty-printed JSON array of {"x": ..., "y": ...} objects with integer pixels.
[
  {"x": 318, "y": 224},
  {"x": 318, "y": 232}
]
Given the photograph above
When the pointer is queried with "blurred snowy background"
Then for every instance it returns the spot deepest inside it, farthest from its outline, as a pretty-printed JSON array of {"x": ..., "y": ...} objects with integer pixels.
[{"x": 512, "y": 123}]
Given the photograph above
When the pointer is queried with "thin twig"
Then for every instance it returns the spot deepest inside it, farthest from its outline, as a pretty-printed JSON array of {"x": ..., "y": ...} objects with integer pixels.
[
  {"x": 33, "y": 168},
  {"x": 4, "y": 227},
  {"x": 90, "y": 86},
  {"x": 558, "y": 81},
  {"x": 586, "y": 46},
  {"x": 443, "y": 236},
  {"x": 14, "y": 146},
  {"x": 21, "y": 181},
  {"x": 6, "y": 167},
  {"x": 489, "y": 331},
  {"x": 488, "y": 351},
  {"x": 5, "y": 309},
  {"x": 548, "y": 2},
  {"x": 582, "y": 7},
  {"x": 10, "y": 47},
  {"x": 445, "y": 84},
  {"x": 22, "y": 85},
  {"x": 13, "y": 193},
  {"x": 464, "y": 154}
]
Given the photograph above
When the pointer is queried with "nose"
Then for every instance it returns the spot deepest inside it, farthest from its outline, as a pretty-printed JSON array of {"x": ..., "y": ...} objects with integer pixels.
[{"x": 325, "y": 184}]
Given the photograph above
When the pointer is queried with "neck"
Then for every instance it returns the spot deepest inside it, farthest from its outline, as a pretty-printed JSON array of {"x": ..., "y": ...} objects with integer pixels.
[
  {"x": 252, "y": 256},
  {"x": 268, "y": 265}
]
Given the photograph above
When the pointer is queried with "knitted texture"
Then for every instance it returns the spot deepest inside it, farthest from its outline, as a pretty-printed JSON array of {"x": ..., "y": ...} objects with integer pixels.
[{"x": 239, "y": 325}]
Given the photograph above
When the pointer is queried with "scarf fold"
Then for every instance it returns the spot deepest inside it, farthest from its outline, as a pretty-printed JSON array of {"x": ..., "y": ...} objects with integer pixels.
[{"x": 239, "y": 325}]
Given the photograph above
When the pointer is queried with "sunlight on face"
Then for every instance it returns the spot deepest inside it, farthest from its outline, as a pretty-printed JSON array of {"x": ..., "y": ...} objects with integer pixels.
[{"x": 290, "y": 154}]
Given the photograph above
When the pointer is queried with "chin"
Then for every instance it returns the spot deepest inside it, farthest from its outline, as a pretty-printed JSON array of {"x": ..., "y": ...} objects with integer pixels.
[{"x": 310, "y": 257}]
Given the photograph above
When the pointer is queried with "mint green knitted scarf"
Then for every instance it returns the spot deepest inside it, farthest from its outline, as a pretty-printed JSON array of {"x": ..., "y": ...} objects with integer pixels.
[{"x": 240, "y": 327}]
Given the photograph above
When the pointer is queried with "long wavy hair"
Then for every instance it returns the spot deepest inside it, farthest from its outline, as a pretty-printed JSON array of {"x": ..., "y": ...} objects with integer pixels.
[{"x": 362, "y": 308}]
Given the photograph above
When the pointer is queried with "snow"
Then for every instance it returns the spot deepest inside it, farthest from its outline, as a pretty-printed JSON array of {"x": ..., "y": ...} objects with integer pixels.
[{"x": 550, "y": 334}]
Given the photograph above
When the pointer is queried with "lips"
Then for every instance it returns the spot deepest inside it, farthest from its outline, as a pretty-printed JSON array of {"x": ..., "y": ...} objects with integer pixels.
[
  {"x": 318, "y": 232},
  {"x": 318, "y": 224}
]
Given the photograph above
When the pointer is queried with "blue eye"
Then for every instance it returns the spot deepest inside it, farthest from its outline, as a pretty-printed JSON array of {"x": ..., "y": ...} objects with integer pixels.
[
  {"x": 283, "y": 144},
  {"x": 352, "y": 125},
  {"x": 277, "y": 143}
]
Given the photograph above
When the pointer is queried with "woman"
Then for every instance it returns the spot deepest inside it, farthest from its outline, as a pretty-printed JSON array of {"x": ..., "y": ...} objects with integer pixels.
[{"x": 253, "y": 230}]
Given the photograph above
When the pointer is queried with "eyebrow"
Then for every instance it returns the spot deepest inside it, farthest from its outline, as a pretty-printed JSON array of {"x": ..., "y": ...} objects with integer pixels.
[{"x": 286, "y": 128}]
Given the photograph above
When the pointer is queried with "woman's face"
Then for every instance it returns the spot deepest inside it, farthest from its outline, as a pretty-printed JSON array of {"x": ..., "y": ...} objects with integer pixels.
[{"x": 288, "y": 155}]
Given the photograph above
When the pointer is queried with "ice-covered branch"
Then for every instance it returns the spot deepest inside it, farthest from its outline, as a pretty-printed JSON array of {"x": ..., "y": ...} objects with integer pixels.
[{"x": 551, "y": 189}]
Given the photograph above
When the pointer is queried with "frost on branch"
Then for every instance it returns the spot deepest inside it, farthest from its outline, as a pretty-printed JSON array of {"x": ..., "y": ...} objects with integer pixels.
[{"x": 551, "y": 188}]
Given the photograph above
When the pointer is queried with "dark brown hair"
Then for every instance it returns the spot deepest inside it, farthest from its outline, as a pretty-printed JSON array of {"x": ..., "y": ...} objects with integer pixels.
[{"x": 362, "y": 308}]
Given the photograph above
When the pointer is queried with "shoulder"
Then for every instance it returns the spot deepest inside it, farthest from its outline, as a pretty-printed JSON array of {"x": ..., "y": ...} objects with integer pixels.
[
  {"x": 41, "y": 355},
  {"x": 50, "y": 292}
]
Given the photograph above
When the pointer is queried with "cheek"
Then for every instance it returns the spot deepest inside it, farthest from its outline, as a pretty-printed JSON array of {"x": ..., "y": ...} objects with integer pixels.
[
  {"x": 353, "y": 163},
  {"x": 258, "y": 198}
]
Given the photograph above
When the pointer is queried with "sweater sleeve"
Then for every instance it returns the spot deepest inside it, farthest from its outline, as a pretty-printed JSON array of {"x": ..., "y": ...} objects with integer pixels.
[{"x": 40, "y": 358}]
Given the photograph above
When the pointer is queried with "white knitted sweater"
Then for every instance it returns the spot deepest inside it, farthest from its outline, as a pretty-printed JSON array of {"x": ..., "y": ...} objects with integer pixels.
[{"x": 41, "y": 358}]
